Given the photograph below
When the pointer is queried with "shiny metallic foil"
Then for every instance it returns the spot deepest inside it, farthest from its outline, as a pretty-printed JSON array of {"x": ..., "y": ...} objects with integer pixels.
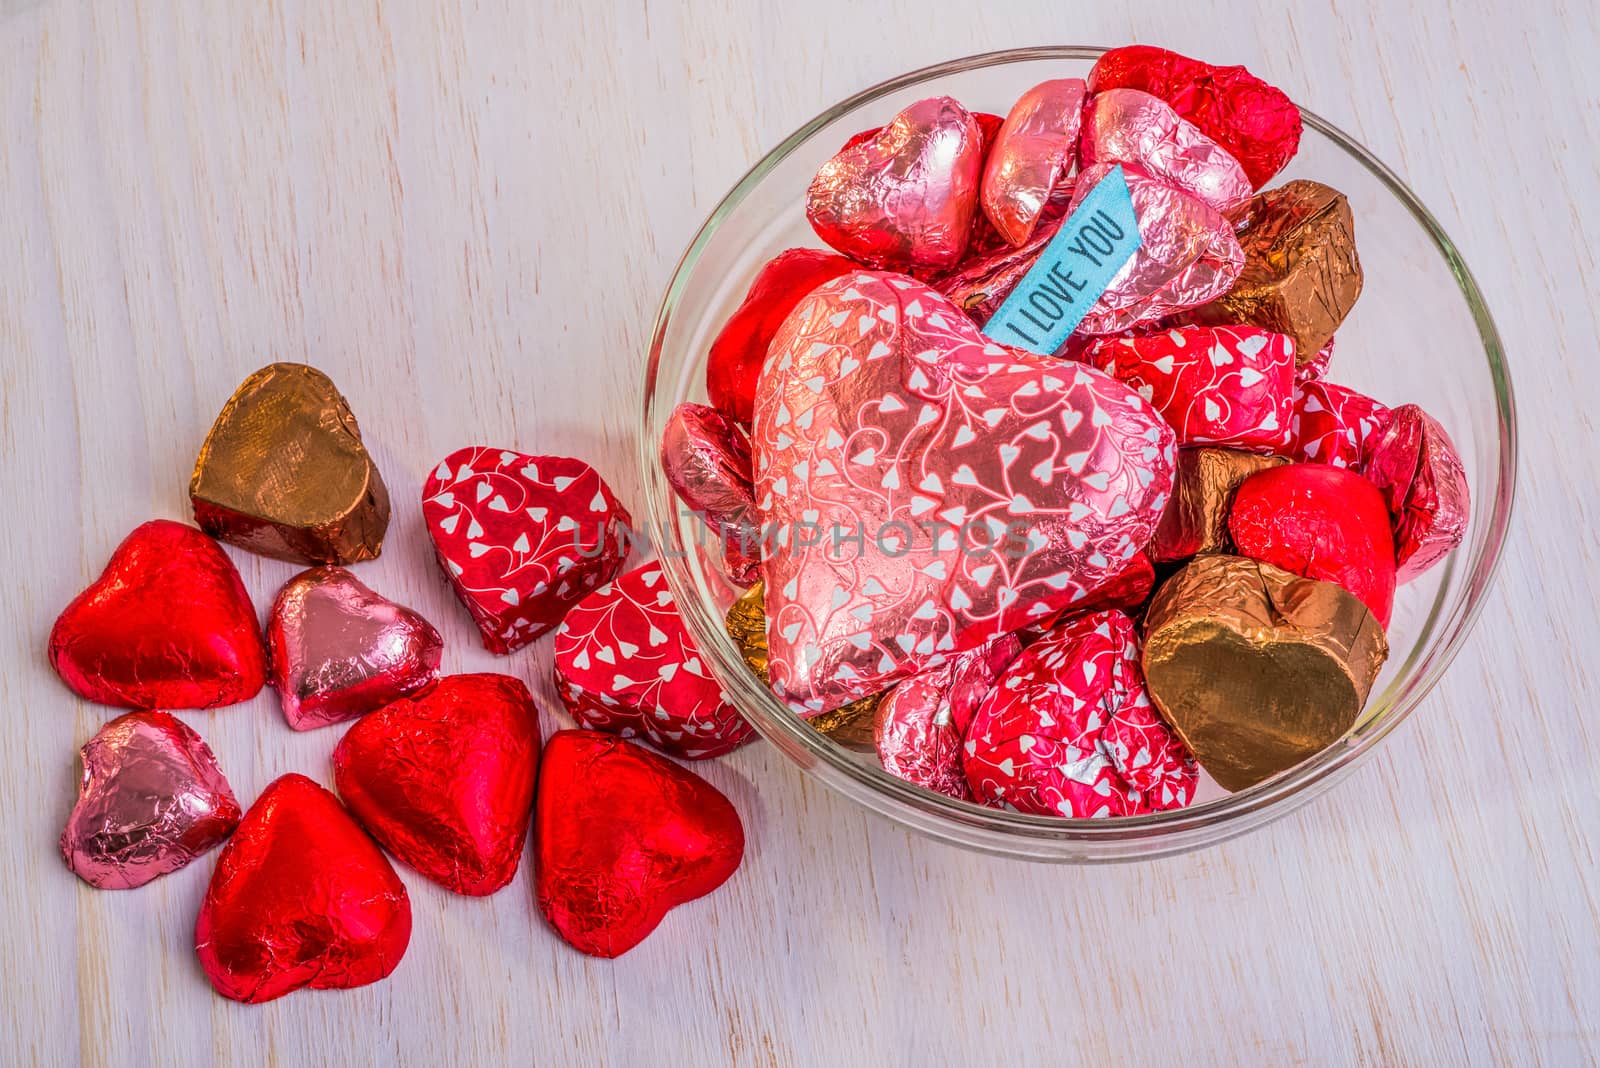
[
  {"x": 339, "y": 650},
  {"x": 1128, "y": 126},
  {"x": 1196, "y": 519},
  {"x": 300, "y": 897},
  {"x": 906, "y": 196},
  {"x": 1258, "y": 669},
  {"x": 1031, "y": 156},
  {"x": 706, "y": 458},
  {"x": 443, "y": 779},
  {"x": 1415, "y": 465},
  {"x": 1189, "y": 255},
  {"x": 981, "y": 283},
  {"x": 151, "y": 800},
  {"x": 1301, "y": 273},
  {"x": 284, "y": 472}
]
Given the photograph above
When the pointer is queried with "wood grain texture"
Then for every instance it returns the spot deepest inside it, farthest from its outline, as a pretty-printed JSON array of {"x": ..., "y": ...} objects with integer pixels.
[{"x": 465, "y": 213}]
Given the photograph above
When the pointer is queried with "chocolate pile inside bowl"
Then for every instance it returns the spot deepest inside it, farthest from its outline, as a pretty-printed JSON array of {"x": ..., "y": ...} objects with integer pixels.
[{"x": 1035, "y": 477}]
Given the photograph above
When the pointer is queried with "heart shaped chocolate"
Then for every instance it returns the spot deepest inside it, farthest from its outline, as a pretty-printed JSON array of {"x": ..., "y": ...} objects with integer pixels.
[
  {"x": 927, "y": 489},
  {"x": 622, "y": 836},
  {"x": 522, "y": 538},
  {"x": 151, "y": 800},
  {"x": 167, "y": 624},
  {"x": 907, "y": 195},
  {"x": 301, "y": 897},
  {"x": 284, "y": 473},
  {"x": 338, "y": 650},
  {"x": 444, "y": 778}
]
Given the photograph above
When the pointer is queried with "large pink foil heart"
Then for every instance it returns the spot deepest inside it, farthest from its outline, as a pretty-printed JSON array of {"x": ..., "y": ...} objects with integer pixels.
[
  {"x": 907, "y": 195},
  {"x": 925, "y": 489}
]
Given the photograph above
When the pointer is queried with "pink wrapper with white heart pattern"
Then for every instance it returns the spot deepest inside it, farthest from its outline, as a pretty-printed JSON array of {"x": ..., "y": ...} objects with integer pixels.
[
  {"x": 1070, "y": 730},
  {"x": 926, "y": 489},
  {"x": 522, "y": 538},
  {"x": 625, "y": 664},
  {"x": 1216, "y": 385}
]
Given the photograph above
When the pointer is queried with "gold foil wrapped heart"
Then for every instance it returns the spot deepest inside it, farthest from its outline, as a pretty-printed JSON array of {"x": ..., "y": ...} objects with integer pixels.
[
  {"x": 1196, "y": 517},
  {"x": 1258, "y": 669},
  {"x": 284, "y": 472}
]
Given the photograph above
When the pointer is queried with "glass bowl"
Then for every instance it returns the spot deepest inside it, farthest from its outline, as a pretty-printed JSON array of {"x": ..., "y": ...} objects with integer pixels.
[{"x": 1420, "y": 333}]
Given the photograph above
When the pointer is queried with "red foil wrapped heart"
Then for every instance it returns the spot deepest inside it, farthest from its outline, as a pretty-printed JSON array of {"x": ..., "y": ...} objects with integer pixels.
[
  {"x": 1128, "y": 126},
  {"x": 151, "y": 800},
  {"x": 920, "y": 725},
  {"x": 1256, "y": 123},
  {"x": 621, "y": 837},
  {"x": 741, "y": 346},
  {"x": 339, "y": 650},
  {"x": 706, "y": 458},
  {"x": 1319, "y": 522},
  {"x": 301, "y": 897},
  {"x": 444, "y": 778},
  {"x": 1188, "y": 255},
  {"x": 626, "y": 664},
  {"x": 1415, "y": 465},
  {"x": 522, "y": 538},
  {"x": 1069, "y": 729},
  {"x": 906, "y": 196},
  {"x": 167, "y": 624},
  {"x": 1031, "y": 156},
  {"x": 929, "y": 489},
  {"x": 1230, "y": 386},
  {"x": 1333, "y": 425}
]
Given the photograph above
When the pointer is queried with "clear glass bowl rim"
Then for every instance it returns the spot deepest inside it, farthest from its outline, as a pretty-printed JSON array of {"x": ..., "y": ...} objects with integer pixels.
[{"x": 1051, "y": 838}]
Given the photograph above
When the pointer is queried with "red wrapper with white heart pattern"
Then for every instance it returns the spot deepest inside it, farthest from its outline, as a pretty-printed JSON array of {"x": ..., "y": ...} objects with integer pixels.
[
  {"x": 522, "y": 538},
  {"x": 625, "y": 664},
  {"x": 927, "y": 489},
  {"x": 1070, "y": 730},
  {"x": 1221, "y": 385},
  {"x": 1332, "y": 424}
]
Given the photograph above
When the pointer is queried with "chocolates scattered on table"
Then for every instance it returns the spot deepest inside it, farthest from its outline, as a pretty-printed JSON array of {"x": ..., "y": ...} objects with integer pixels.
[{"x": 1155, "y": 539}]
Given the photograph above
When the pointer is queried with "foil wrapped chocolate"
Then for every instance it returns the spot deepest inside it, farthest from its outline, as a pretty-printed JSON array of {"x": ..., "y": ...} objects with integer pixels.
[
  {"x": 1189, "y": 254},
  {"x": 1321, "y": 522},
  {"x": 907, "y": 195},
  {"x": 981, "y": 283},
  {"x": 625, "y": 663},
  {"x": 1257, "y": 668},
  {"x": 1301, "y": 274},
  {"x": 284, "y": 472},
  {"x": 1129, "y": 126},
  {"x": 1415, "y": 465},
  {"x": 151, "y": 800},
  {"x": 1069, "y": 730},
  {"x": 443, "y": 779},
  {"x": 338, "y": 650},
  {"x": 300, "y": 897},
  {"x": 1196, "y": 518},
  {"x": 1031, "y": 156},
  {"x": 929, "y": 489},
  {"x": 706, "y": 458},
  {"x": 920, "y": 725},
  {"x": 168, "y": 624},
  {"x": 1258, "y": 125},
  {"x": 1333, "y": 424}
]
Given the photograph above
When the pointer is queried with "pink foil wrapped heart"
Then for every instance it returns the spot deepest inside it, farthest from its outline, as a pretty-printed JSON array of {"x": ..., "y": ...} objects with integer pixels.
[
  {"x": 1333, "y": 424},
  {"x": 151, "y": 800},
  {"x": 1415, "y": 465},
  {"x": 907, "y": 195},
  {"x": 625, "y": 663},
  {"x": 1031, "y": 155},
  {"x": 920, "y": 725},
  {"x": 706, "y": 458},
  {"x": 1127, "y": 126},
  {"x": 1188, "y": 256},
  {"x": 1070, "y": 730},
  {"x": 522, "y": 538},
  {"x": 926, "y": 489},
  {"x": 338, "y": 650},
  {"x": 1230, "y": 385}
]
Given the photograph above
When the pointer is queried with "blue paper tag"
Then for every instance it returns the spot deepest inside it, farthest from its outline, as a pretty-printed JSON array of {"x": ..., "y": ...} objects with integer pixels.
[{"x": 1072, "y": 271}]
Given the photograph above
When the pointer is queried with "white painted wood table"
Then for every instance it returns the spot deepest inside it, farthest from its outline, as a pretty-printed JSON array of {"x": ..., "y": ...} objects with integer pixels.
[{"x": 466, "y": 212}]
